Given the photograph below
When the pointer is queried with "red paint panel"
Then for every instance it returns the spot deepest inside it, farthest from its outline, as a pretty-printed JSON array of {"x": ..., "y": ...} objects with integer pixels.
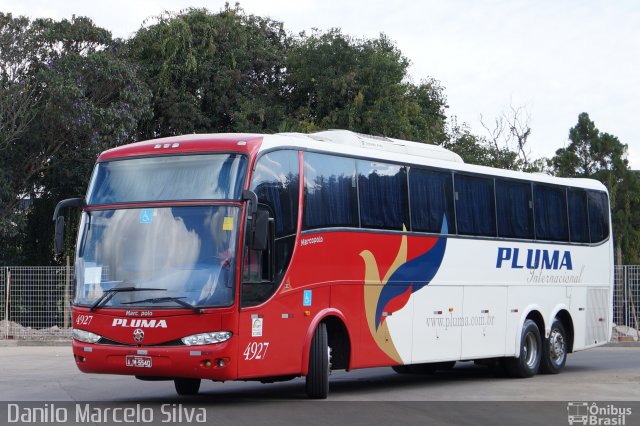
[{"x": 187, "y": 144}]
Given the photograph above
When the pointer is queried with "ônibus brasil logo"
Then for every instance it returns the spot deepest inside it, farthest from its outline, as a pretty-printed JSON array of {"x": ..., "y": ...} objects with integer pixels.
[{"x": 593, "y": 414}]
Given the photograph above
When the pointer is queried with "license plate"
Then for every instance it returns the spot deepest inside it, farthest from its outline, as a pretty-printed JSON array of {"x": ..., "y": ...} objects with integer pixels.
[{"x": 138, "y": 361}]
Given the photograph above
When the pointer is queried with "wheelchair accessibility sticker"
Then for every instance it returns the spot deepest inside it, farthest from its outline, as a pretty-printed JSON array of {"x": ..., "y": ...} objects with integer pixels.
[
  {"x": 146, "y": 215},
  {"x": 306, "y": 298}
]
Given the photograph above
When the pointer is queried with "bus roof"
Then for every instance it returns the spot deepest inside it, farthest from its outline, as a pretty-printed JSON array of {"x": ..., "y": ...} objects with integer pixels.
[
  {"x": 331, "y": 142},
  {"x": 395, "y": 150},
  {"x": 197, "y": 143}
]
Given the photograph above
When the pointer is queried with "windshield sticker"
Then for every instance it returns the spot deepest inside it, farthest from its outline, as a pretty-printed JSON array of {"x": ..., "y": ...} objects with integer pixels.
[
  {"x": 146, "y": 216},
  {"x": 227, "y": 225},
  {"x": 306, "y": 298},
  {"x": 256, "y": 327},
  {"x": 92, "y": 274}
]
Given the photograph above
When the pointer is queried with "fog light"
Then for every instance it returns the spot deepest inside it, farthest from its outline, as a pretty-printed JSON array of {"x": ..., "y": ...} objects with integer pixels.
[
  {"x": 206, "y": 363},
  {"x": 220, "y": 362}
]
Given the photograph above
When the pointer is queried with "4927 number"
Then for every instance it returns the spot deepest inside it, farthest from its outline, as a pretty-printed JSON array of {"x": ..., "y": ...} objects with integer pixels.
[{"x": 256, "y": 350}]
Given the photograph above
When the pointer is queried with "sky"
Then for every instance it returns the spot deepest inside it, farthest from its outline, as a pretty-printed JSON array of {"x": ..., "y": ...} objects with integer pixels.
[{"x": 554, "y": 59}]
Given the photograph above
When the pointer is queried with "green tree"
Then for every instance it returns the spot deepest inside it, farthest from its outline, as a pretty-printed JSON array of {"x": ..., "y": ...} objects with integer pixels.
[
  {"x": 484, "y": 151},
  {"x": 18, "y": 95},
  {"x": 88, "y": 99},
  {"x": 220, "y": 72},
  {"x": 335, "y": 81},
  {"x": 597, "y": 155}
]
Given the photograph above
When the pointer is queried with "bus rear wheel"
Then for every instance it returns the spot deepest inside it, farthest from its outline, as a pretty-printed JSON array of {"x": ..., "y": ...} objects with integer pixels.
[
  {"x": 554, "y": 354},
  {"x": 187, "y": 386},
  {"x": 317, "y": 380},
  {"x": 528, "y": 363}
]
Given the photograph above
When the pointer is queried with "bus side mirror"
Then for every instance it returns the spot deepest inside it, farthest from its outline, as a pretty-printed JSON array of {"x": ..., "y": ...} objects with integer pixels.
[
  {"x": 258, "y": 224},
  {"x": 260, "y": 237},
  {"x": 58, "y": 240}
]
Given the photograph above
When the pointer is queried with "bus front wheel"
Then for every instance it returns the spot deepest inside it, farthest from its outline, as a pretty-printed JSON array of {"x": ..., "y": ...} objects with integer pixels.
[
  {"x": 317, "y": 381},
  {"x": 528, "y": 363},
  {"x": 187, "y": 386}
]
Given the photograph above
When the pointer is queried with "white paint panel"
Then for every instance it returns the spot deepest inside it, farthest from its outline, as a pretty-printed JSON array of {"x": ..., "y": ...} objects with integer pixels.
[
  {"x": 400, "y": 325},
  {"x": 579, "y": 316},
  {"x": 597, "y": 324},
  {"x": 484, "y": 321},
  {"x": 435, "y": 337}
]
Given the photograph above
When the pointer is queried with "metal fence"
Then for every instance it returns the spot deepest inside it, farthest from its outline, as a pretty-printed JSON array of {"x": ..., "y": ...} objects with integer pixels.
[
  {"x": 626, "y": 303},
  {"x": 35, "y": 302},
  {"x": 38, "y": 300}
]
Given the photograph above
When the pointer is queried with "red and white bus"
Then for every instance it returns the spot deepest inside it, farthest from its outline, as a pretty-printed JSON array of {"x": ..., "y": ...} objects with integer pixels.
[{"x": 268, "y": 257}]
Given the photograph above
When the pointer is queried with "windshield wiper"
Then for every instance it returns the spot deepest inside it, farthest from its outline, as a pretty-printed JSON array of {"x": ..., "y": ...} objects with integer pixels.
[
  {"x": 108, "y": 294},
  {"x": 167, "y": 299}
]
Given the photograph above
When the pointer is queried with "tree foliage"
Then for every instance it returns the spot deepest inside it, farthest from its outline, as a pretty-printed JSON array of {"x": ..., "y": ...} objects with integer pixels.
[
  {"x": 84, "y": 97},
  {"x": 336, "y": 81},
  {"x": 597, "y": 155},
  {"x": 69, "y": 91},
  {"x": 220, "y": 72}
]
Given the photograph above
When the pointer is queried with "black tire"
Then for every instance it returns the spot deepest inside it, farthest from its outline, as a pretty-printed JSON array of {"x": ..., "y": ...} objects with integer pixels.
[
  {"x": 424, "y": 368},
  {"x": 445, "y": 365},
  {"x": 528, "y": 363},
  {"x": 187, "y": 386},
  {"x": 554, "y": 350},
  {"x": 317, "y": 381},
  {"x": 401, "y": 369}
]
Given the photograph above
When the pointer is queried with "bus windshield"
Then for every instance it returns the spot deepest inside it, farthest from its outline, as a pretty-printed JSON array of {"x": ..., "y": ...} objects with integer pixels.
[
  {"x": 181, "y": 254},
  {"x": 176, "y": 177}
]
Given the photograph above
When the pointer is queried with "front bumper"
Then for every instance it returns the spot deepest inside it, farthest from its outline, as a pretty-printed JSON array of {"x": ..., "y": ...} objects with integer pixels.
[{"x": 214, "y": 362}]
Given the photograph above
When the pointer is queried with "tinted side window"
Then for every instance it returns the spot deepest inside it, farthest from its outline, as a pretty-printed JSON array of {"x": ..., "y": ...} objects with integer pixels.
[
  {"x": 598, "y": 216},
  {"x": 578, "y": 216},
  {"x": 431, "y": 194},
  {"x": 550, "y": 206},
  {"x": 383, "y": 195},
  {"x": 475, "y": 205},
  {"x": 514, "y": 212},
  {"x": 276, "y": 181},
  {"x": 329, "y": 191}
]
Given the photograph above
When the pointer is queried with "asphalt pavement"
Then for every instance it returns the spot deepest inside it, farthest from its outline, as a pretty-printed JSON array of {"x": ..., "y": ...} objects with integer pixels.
[{"x": 608, "y": 377}]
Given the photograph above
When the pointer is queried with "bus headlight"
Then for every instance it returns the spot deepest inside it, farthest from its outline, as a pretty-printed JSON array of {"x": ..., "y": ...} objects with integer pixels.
[
  {"x": 207, "y": 338},
  {"x": 86, "y": 336}
]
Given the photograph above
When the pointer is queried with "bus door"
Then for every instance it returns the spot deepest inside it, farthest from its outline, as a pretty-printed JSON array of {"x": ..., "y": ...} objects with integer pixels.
[{"x": 267, "y": 326}]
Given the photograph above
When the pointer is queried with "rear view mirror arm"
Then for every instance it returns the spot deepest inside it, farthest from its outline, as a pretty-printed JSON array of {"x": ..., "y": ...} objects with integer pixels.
[{"x": 69, "y": 202}]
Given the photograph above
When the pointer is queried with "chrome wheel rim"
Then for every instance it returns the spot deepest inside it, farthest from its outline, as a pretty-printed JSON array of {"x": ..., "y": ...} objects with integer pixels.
[{"x": 557, "y": 347}]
